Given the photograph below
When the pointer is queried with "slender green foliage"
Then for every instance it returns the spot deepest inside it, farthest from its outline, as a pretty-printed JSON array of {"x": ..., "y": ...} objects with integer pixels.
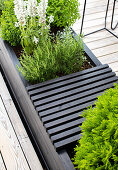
[
  {"x": 98, "y": 147},
  {"x": 52, "y": 58},
  {"x": 41, "y": 65},
  {"x": 68, "y": 53}
]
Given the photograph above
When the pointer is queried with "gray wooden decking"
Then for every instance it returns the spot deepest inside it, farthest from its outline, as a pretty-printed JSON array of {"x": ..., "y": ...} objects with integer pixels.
[
  {"x": 103, "y": 44},
  {"x": 16, "y": 150}
]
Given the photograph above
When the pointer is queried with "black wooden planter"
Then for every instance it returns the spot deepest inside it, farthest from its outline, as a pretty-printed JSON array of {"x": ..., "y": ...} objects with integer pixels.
[{"x": 51, "y": 109}]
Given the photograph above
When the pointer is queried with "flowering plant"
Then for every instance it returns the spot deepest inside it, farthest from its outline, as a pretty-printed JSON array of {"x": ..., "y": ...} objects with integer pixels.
[{"x": 31, "y": 17}]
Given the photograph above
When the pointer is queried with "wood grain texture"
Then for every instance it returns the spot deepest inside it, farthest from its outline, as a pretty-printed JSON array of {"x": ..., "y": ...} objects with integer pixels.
[
  {"x": 103, "y": 44},
  {"x": 39, "y": 133},
  {"x": 2, "y": 165},
  {"x": 9, "y": 145},
  {"x": 60, "y": 101},
  {"x": 19, "y": 129}
]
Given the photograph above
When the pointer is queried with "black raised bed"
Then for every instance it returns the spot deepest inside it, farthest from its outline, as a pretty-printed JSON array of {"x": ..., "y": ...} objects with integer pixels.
[{"x": 51, "y": 109}]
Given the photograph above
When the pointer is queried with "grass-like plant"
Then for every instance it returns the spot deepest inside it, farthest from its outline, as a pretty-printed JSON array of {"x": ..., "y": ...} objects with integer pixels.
[
  {"x": 52, "y": 58},
  {"x": 41, "y": 65},
  {"x": 98, "y": 147},
  {"x": 68, "y": 53}
]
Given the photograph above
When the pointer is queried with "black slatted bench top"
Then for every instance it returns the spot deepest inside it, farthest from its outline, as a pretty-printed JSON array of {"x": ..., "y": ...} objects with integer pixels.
[{"x": 60, "y": 102}]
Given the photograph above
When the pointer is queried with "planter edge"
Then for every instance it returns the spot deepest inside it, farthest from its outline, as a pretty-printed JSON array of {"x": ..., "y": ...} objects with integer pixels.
[{"x": 51, "y": 157}]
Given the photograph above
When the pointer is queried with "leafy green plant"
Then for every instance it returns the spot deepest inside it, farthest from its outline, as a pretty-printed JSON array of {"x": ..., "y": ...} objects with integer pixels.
[
  {"x": 68, "y": 53},
  {"x": 30, "y": 35},
  {"x": 51, "y": 59},
  {"x": 65, "y": 12},
  {"x": 41, "y": 65},
  {"x": 1, "y": 6},
  {"x": 9, "y": 31},
  {"x": 98, "y": 147}
]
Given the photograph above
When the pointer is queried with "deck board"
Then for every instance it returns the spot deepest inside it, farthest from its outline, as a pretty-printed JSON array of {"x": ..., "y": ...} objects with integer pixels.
[
  {"x": 2, "y": 165},
  {"x": 15, "y": 145},
  {"x": 103, "y": 44}
]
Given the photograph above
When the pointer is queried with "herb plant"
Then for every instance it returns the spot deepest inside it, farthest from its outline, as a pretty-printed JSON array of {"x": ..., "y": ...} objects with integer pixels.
[
  {"x": 52, "y": 58},
  {"x": 98, "y": 147},
  {"x": 41, "y": 65},
  {"x": 68, "y": 53},
  {"x": 9, "y": 31}
]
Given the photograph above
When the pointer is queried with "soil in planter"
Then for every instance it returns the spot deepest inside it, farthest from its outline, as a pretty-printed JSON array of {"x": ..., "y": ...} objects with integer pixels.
[{"x": 18, "y": 52}]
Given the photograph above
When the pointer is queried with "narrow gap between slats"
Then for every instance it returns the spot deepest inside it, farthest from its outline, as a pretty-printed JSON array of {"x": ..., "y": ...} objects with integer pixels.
[
  {"x": 75, "y": 97},
  {"x": 75, "y": 86},
  {"x": 68, "y": 135},
  {"x": 65, "y": 134},
  {"x": 65, "y": 127},
  {"x": 63, "y": 78},
  {"x": 67, "y": 141},
  {"x": 69, "y": 82}
]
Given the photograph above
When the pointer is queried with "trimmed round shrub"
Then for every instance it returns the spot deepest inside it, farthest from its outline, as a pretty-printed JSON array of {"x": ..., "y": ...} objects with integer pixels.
[
  {"x": 98, "y": 147},
  {"x": 9, "y": 31},
  {"x": 1, "y": 6},
  {"x": 65, "y": 12}
]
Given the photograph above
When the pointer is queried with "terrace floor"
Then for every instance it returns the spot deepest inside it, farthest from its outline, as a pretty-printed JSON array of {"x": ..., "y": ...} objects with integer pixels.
[
  {"x": 103, "y": 44},
  {"x": 16, "y": 150}
]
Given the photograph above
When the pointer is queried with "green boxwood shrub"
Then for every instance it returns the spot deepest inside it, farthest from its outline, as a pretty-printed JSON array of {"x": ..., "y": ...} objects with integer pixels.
[
  {"x": 1, "y": 6},
  {"x": 9, "y": 32},
  {"x": 98, "y": 147},
  {"x": 65, "y": 12}
]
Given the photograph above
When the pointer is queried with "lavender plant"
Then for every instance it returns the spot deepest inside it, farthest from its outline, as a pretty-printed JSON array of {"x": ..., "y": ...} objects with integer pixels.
[{"x": 51, "y": 59}]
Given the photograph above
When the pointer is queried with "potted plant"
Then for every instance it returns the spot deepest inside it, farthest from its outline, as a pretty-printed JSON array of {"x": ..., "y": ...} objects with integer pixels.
[{"x": 44, "y": 55}]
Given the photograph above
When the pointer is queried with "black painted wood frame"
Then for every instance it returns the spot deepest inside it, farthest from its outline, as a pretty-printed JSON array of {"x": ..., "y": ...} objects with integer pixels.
[{"x": 8, "y": 62}]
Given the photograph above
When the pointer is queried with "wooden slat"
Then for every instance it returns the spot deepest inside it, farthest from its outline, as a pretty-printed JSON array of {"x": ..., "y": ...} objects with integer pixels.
[
  {"x": 63, "y": 78},
  {"x": 66, "y": 160},
  {"x": 2, "y": 165},
  {"x": 67, "y": 141},
  {"x": 65, "y": 126},
  {"x": 64, "y": 134},
  {"x": 110, "y": 58},
  {"x": 106, "y": 50},
  {"x": 59, "y": 103},
  {"x": 9, "y": 145},
  {"x": 70, "y": 106},
  {"x": 62, "y": 114},
  {"x": 79, "y": 85},
  {"x": 77, "y": 96},
  {"x": 68, "y": 87},
  {"x": 103, "y": 43},
  {"x": 20, "y": 131},
  {"x": 71, "y": 81}
]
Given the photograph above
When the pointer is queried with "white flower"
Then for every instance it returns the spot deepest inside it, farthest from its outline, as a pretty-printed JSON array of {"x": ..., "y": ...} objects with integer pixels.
[
  {"x": 35, "y": 40},
  {"x": 32, "y": 8},
  {"x": 41, "y": 11},
  {"x": 51, "y": 18},
  {"x": 16, "y": 24}
]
